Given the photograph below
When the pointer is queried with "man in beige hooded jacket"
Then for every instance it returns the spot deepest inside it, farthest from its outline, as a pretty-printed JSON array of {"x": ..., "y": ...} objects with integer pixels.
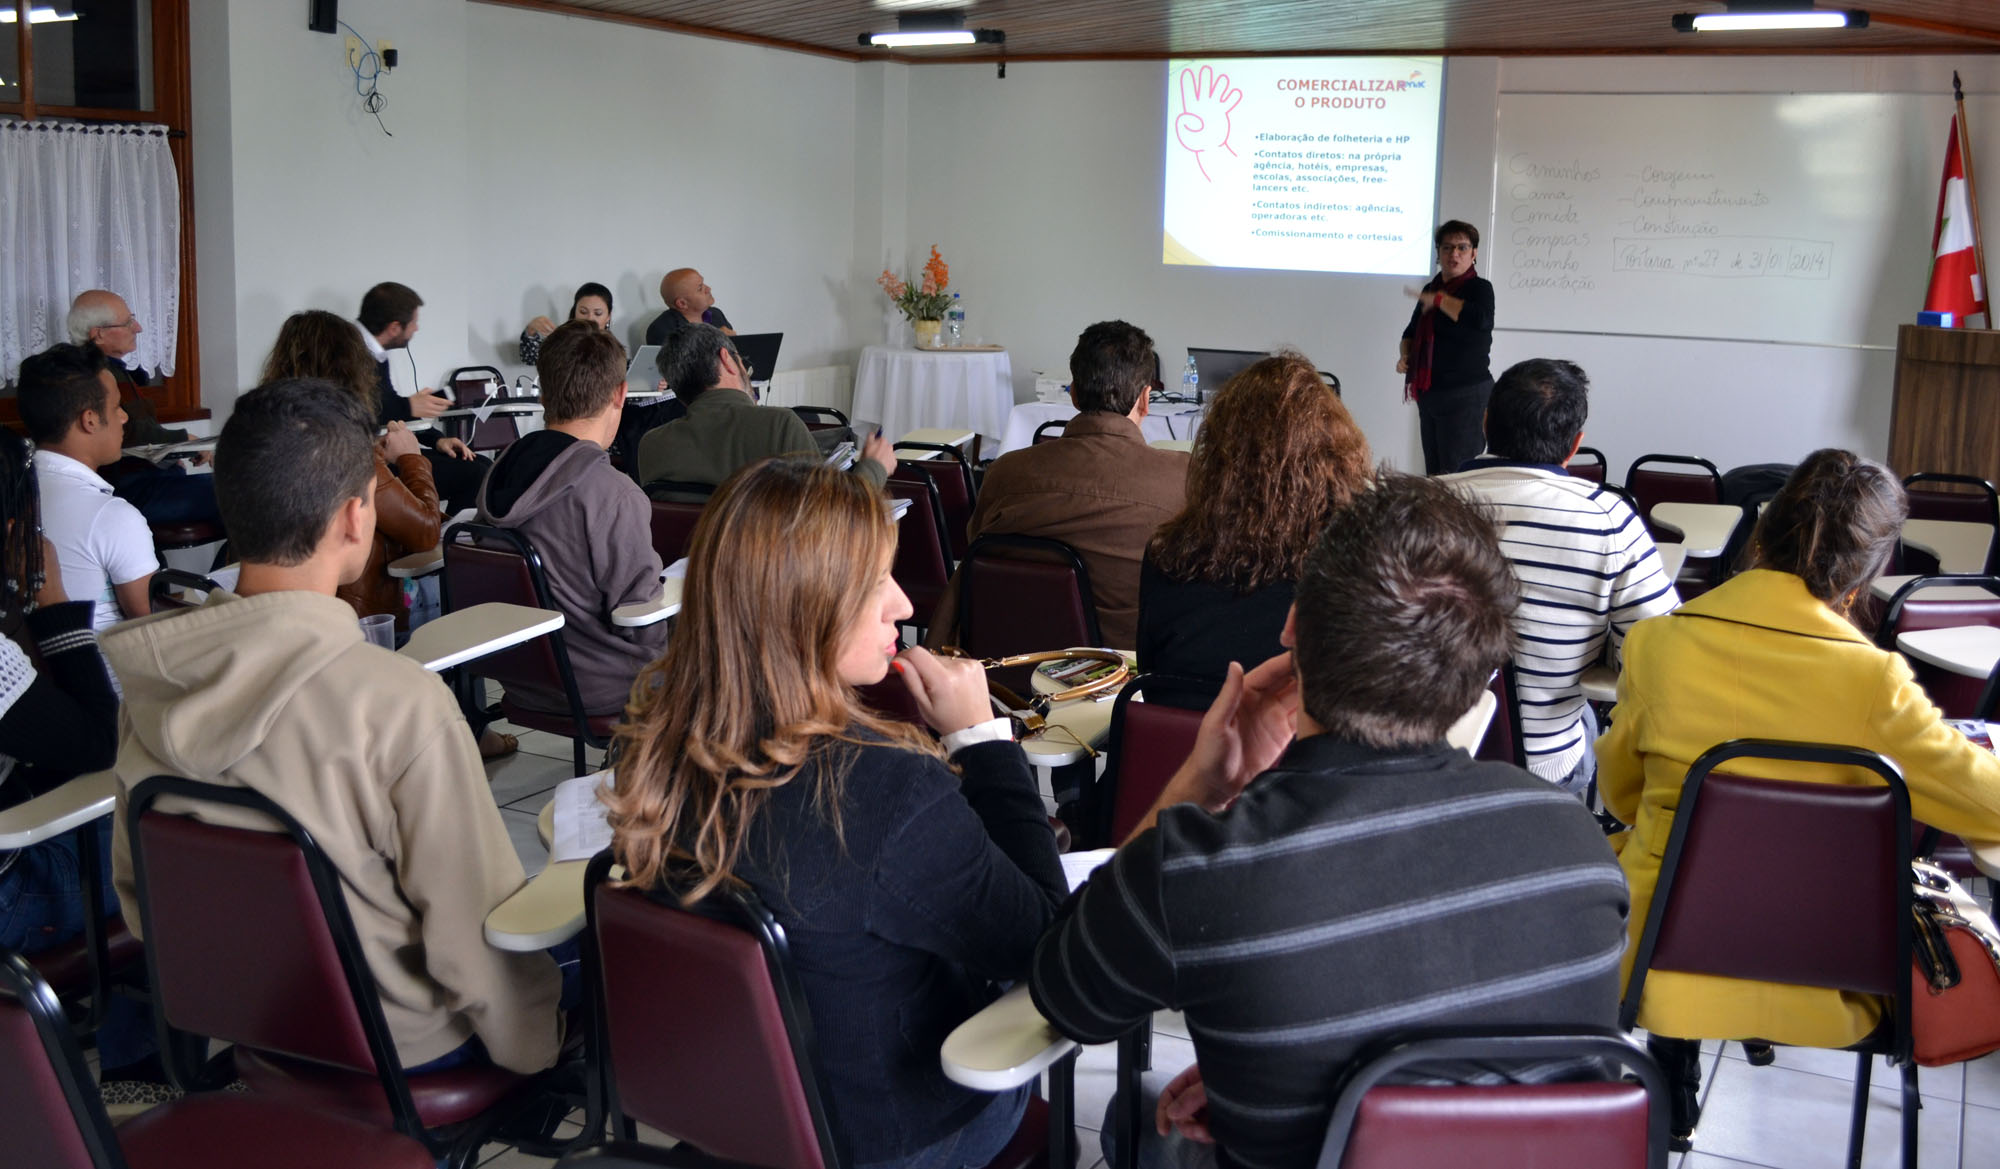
[{"x": 273, "y": 688}]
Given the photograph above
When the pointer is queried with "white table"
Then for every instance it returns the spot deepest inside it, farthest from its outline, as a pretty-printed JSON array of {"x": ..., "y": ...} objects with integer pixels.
[
  {"x": 1599, "y": 684},
  {"x": 649, "y": 612},
  {"x": 912, "y": 389},
  {"x": 1968, "y": 650},
  {"x": 417, "y": 563},
  {"x": 1167, "y": 423},
  {"x": 1003, "y": 1046},
  {"x": 1958, "y": 546},
  {"x": 1704, "y": 528},
  {"x": 940, "y": 436},
  {"x": 1672, "y": 556},
  {"x": 70, "y": 805},
  {"x": 512, "y": 406},
  {"x": 1884, "y": 588},
  {"x": 469, "y": 634}
]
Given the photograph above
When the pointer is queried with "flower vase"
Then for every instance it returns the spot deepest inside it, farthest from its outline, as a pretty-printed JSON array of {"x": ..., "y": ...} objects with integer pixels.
[{"x": 929, "y": 333}]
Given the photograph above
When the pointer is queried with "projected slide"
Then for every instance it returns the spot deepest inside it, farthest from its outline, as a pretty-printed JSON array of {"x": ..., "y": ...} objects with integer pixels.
[{"x": 1308, "y": 163}]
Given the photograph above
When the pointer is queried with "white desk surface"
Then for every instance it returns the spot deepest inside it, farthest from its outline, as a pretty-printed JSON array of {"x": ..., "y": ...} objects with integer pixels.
[
  {"x": 417, "y": 563},
  {"x": 1599, "y": 684},
  {"x": 1004, "y": 1046},
  {"x": 1969, "y": 650},
  {"x": 1705, "y": 528},
  {"x": 1672, "y": 556},
  {"x": 1172, "y": 444},
  {"x": 470, "y": 634},
  {"x": 650, "y": 612},
  {"x": 546, "y": 911},
  {"x": 1884, "y": 588},
  {"x": 71, "y": 805},
  {"x": 1470, "y": 729},
  {"x": 957, "y": 438},
  {"x": 1958, "y": 546},
  {"x": 515, "y": 406}
]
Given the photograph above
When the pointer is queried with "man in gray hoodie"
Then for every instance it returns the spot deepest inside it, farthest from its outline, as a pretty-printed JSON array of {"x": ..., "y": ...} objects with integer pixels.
[{"x": 592, "y": 525}]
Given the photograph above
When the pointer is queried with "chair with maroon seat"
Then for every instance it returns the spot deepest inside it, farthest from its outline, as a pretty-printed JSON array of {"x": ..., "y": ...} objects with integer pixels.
[
  {"x": 1649, "y": 486},
  {"x": 1908, "y": 610},
  {"x": 192, "y": 534},
  {"x": 1592, "y": 465},
  {"x": 1022, "y": 594},
  {"x": 483, "y": 563},
  {"x": 821, "y": 417},
  {"x": 952, "y": 472},
  {"x": 1728, "y": 900},
  {"x": 1049, "y": 431},
  {"x": 249, "y": 941},
  {"x": 55, "y": 1118},
  {"x": 1966, "y": 499},
  {"x": 1149, "y": 740},
  {"x": 468, "y": 390},
  {"x": 701, "y": 1031},
  {"x": 1504, "y": 741},
  {"x": 922, "y": 566},
  {"x": 673, "y": 528},
  {"x": 1606, "y": 1124}
]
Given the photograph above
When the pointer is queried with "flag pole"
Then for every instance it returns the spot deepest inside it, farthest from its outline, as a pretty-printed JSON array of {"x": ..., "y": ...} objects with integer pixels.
[{"x": 1972, "y": 198}]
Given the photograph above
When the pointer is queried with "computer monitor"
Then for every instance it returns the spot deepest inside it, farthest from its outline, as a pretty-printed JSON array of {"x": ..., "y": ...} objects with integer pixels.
[
  {"x": 759, "y": 352},
  {"x": 1217, "y": 366}
]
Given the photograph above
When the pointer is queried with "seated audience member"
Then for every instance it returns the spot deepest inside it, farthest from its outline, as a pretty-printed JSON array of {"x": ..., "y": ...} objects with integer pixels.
[
  {"x": 726, "y": 429},
  {"x": 388, "y": 319},
  {"x": 273, "y": 688},
  {"x": 909, "y": 875},
  {"x": 592, "y": 526},
  {"x": 69, "y": 404},
  {"x": 1291, "y": 863},
  {"x": 592, "y": 303},
  {"x": 58, "y": 720},
  {"x": 1277, "y": 455},
  {"x": 1587, "y": 565},
  {"x": 689, "y": 302},
  {"x": 318, "y": 344},
  {"x": 1101, "y": 489},
  {"x": 1773, "y": 653}
]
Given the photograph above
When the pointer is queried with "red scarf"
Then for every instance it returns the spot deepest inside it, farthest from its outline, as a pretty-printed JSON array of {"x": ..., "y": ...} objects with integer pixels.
[{"x": 1423, "y": 346}]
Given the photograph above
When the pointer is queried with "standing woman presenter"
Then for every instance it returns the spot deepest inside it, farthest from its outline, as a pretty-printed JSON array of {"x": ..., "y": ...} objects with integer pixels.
[{"x": 1444, "y": 353}]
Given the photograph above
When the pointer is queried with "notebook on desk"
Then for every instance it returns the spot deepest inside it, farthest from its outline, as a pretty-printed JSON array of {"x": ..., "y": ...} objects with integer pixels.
[{"x": 642, "y": 376}]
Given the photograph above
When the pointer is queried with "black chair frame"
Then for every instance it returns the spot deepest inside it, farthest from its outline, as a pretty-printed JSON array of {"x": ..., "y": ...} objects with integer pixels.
[
  {"x": 519, "y": 544},
  {"x": 173, "y": 578},
  {"x": 742, "y": 908},
  {"x": 821, "y": 414},
  {"x": 1054, "y": 550},
  {"x": 1892, "y": 616},
  {"x": 1892, "y": 1038},
  {"x": 1058, "y": 425},
  {"x": 19, "y": 979},
  {"x": 460, "y": 1142},
  {"x": 1396, "y": 1054},
  {"x": 1676, "y": 460},
  {"x": 663, "y": 489},
  {"x": 1979, "y": 485},
  {"x": 1594, "y": 453}
]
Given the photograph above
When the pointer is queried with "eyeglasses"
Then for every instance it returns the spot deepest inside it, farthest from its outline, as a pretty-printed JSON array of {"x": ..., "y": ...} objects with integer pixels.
[
  {"x": 1455, "y": 248},
  {"x": 127, "y": 323}
]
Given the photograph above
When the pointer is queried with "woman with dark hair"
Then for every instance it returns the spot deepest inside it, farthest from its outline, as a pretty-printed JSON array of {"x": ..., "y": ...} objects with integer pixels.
[
  {"x": 592, "y": 303},
  {"x": 1773, "y": 654},
  {"x": 909, "y": 875},
  {"x": 1445, "y": 350},
  {"x": 1277, "y": 455}
]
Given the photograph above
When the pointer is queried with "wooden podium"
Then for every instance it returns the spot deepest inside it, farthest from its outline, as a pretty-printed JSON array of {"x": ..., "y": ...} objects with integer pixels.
[{"x": 1946, "y": 415}]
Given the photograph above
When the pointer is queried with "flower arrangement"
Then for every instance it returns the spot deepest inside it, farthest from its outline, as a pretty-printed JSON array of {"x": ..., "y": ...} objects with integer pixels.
[{"x": 925, "y": 300}]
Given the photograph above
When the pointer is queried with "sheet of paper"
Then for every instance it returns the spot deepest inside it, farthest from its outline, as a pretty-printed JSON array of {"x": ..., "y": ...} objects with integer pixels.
[
  {"x": 1077, "y": 866},
  {"x": 581, "y": 831}
]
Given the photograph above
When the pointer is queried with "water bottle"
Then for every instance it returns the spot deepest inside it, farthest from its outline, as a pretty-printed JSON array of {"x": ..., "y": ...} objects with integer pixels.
[
  {"x": 954, "y": 322},
  {"x": 1191, "y": 381}
]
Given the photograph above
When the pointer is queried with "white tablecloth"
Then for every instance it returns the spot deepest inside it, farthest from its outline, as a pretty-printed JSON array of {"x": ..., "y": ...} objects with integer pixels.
[
  {"x": 912, "y": 389},
  {"x": 1175, "y": 421}
]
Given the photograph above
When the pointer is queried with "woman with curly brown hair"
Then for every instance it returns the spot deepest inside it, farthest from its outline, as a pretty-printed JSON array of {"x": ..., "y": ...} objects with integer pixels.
[
  {"x": 907, "y": 884},
  {"x": 1277, "y": 455}
]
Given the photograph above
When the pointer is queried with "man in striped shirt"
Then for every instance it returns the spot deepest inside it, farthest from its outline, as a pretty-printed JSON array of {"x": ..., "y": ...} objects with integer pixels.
[
  {"x": 1587, "y": 565},
  {"x": 1325, "y": 871}
]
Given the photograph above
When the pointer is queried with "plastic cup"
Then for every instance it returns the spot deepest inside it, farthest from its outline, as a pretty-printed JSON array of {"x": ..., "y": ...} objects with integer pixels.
[{"x": 380, "y": 629}]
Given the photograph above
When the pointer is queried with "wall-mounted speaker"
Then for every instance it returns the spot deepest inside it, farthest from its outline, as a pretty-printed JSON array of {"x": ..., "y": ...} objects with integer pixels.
[{"x": 325, "y": 15}]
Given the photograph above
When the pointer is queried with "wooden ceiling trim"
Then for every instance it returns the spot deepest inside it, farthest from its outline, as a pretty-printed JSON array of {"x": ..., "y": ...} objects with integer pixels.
[
  {"x": 1936, "y": 26},
  {"x": 664, "y": 25}
]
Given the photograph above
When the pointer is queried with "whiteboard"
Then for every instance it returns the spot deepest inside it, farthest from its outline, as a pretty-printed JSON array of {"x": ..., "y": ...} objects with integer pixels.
[{"x": 1802, "y": 218}]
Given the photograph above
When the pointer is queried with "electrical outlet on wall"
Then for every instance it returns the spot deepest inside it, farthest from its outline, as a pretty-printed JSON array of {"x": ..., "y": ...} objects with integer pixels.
[
  {"x": 353, "y": 52},
  {"x": 384, "y": 50}
]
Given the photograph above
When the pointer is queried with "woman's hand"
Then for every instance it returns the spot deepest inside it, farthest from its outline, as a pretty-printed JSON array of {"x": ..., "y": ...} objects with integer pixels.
[
  {"x": 396, "y": 442},
  {"x": 51, "y": 592},
  {"x": 541, "y": 326},
  {"x": 1184, "y": 1105},
  {"x": 950, "y": 692}
]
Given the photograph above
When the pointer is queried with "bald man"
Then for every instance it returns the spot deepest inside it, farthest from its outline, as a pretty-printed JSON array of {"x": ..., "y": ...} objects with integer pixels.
[{"x": 689, "y": 301}]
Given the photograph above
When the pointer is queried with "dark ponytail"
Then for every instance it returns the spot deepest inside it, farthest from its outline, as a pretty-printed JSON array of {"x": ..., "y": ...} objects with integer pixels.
[{"x": 1833, "y": 524}]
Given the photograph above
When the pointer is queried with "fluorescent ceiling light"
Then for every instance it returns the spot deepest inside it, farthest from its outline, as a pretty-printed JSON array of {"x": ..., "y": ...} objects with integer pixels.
[
  {"x": 1746, "y": 18},
  {"x": 914, "y": 29},
  {"x": 903, "y": 40},
  {"x": 36, "y": 15}
]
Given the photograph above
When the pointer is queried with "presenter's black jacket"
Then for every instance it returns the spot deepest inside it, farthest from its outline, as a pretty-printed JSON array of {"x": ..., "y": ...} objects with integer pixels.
[{"x": 1463, "y": 345}]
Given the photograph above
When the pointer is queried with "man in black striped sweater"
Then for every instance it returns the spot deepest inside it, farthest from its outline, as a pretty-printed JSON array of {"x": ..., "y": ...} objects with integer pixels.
[{"x": 1325, "y": 871}]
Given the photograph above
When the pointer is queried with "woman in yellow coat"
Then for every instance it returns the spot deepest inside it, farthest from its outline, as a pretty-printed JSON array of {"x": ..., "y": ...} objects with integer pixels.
[{"x": 1773, "y": 654}]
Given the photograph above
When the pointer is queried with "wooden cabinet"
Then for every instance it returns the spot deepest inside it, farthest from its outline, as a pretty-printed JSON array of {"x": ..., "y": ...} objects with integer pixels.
[{"x": 1946, "y": 415}]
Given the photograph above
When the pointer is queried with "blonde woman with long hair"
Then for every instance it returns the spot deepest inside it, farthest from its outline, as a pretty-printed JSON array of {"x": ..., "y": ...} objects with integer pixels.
[{"x": 908, "y": 875}]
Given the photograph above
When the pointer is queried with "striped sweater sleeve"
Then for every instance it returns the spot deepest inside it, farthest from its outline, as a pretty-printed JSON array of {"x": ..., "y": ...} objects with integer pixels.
[
  {"x": 1641, "y": 589},
  {"x": 1106, "y": 964}
]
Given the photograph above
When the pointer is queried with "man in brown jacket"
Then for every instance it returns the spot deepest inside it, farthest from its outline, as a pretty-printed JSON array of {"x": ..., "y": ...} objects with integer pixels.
[
  {"x": 273, "y": 688},
  {"x": 1100, "y": 488}
]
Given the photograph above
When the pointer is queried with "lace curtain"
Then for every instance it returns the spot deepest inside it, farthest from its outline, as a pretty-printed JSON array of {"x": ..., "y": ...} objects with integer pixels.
[{"x": 81, "y": 207}]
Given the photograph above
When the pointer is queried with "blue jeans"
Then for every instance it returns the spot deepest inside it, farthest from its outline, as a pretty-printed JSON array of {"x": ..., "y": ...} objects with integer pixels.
[
  {"x": 569, "y": 960},
  {"x": 41, "y": 906},
  {"x": 972, "y": 1146},
  {"x": 1172, "y": 1151}
]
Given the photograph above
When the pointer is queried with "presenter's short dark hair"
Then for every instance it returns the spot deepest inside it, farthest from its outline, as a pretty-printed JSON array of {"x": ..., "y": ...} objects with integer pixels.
[
  {"x": 581, "y": 367},
  {"x": 1404, "y": 609},
  {"x": 691, "y": 360},
  {"x": 1113, "y": 363},
  {"x": 388, "y": 303},
  {"x": 1452, "y": 227},
  {"x": 1537, "y": 410},
  {"x": 292, "y": 452},
  {"x": 58, "y": 386}
]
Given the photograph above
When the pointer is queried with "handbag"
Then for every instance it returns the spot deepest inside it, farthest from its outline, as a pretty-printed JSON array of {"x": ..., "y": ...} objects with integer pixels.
[
  {"x": 1031, "y": 714},
  {"x": 1955, "y": 971}
]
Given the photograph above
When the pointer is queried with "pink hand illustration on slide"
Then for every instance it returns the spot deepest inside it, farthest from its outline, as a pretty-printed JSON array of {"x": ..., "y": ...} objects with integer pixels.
[{"x": 1207, "y": 100}]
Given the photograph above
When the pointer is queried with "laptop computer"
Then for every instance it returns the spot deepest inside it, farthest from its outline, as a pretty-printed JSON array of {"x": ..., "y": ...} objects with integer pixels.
[
  {"x": 642, "y": 376},
  {"x": 1217, "y": 366},
  {"x": 759, "y": 352}
]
